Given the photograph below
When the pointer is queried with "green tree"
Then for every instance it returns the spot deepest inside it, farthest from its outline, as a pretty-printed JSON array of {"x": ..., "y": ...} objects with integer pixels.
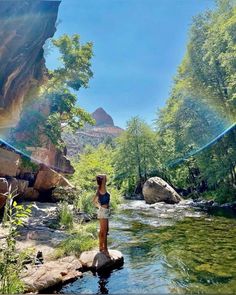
[{"x": 135, "y": 155}]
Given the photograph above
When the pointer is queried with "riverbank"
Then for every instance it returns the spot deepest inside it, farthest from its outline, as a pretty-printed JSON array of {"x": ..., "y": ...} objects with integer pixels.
[{"x": 56, "y": 256}]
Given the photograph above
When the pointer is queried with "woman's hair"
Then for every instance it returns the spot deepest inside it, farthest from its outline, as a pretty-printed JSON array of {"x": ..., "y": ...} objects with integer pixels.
[{"x": 99, "y": 179}]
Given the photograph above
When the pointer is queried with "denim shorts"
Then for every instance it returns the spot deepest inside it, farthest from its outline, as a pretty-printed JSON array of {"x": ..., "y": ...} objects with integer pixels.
[{"x": 104, "y": 213}]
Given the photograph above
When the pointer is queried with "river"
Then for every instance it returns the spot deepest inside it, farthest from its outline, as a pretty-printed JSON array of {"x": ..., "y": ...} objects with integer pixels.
[{"x": 167, "y": 249}]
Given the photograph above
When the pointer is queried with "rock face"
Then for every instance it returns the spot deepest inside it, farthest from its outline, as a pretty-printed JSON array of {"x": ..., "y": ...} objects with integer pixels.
[
  {"x": 99, "y": 261},
  {"x": 25, "y": 26},
  {"x": 156, "y": 190},
  {"x": 102, "y": 118}
]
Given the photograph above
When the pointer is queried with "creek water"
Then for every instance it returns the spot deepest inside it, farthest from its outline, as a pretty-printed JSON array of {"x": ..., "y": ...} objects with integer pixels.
[{"x": 167, "y": 249}]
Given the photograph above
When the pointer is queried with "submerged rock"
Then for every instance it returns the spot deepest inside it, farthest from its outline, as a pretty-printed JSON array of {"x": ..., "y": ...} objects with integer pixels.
[
  {"x": 98, "y": 261},
  {"x": 155, "y": 190}
]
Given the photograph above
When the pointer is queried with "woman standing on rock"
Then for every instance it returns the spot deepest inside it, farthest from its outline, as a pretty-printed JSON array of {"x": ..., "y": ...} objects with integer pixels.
[{"x": 101, "y": 201}]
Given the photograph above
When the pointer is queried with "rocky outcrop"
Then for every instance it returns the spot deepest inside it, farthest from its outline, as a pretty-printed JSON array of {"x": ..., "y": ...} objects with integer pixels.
[
  {"x": 32, "y": 186},
  {"x": 24, "y": 28},
  {"x": 47, "y": 179},
  {"x": 155, "y": 190},
  {"x": 102, "y": 118},
  {"x": 50, "y": 274},
  {"x": 51, "y": 156}
]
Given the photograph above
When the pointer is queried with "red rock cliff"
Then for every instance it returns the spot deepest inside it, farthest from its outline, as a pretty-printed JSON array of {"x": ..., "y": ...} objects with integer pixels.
[{"x": 24, "y": 28}]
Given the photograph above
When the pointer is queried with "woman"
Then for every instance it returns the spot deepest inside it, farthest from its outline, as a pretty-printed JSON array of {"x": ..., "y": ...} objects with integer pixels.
[{"x": 102, "y": 200}]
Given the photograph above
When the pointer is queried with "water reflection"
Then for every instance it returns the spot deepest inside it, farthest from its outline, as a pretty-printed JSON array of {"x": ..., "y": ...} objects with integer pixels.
[{"x": 103, "y": 283}]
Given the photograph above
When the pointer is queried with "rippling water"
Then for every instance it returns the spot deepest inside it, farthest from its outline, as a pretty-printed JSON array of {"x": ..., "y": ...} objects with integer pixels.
[{"x": 167, "y": 249}]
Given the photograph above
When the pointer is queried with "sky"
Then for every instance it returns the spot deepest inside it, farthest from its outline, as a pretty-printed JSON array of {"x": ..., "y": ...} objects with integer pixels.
[{"x": 138, "y": 45}]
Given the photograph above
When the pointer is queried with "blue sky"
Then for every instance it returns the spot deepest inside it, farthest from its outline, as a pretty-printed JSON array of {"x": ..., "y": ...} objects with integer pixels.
[{"x": 138, "y": 45}]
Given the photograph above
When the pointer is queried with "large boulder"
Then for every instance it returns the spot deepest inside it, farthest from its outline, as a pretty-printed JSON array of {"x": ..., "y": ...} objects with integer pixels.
[
  {"x": 9, "y": 162},
  {"x": 48, "y": 178},
  {"x": 99, "y": 261},
  {"x": 155, "y": 190}
]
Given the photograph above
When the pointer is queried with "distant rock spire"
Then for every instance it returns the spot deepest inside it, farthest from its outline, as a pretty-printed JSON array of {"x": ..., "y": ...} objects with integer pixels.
[{"x": 102, "y": 118}]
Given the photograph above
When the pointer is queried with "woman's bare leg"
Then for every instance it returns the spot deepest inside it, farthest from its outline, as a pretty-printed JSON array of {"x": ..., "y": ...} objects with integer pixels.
[
  {"x": 103, "y": 235},
  {"x": 107, "y": 226}
]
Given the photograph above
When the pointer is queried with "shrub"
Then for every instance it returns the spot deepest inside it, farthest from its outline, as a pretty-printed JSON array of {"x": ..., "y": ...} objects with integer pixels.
[
  {"x": 65, "y": 215},
  {"x": 82, "y": 239},
  {"x": 84, "y": 202},
  {"x": 11, "y": 262}
]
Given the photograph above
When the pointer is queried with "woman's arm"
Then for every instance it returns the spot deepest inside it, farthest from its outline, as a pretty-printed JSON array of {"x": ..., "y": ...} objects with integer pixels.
[{"x": 95, "y": 200}]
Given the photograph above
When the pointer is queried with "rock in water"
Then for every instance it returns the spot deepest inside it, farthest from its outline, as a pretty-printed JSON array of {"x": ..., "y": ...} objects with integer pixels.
[
  {"x": 50, "y": 274},
  {"x": 155, "y": 190},
  {"x": 99, "y": 261}
]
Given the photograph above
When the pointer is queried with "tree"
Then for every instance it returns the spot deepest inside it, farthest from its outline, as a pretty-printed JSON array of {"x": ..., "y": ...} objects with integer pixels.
[{"x": 135, "y": 155}]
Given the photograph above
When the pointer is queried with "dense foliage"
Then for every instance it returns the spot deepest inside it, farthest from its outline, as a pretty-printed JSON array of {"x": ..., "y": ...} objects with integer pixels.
[{"x": 201, "y": 105}]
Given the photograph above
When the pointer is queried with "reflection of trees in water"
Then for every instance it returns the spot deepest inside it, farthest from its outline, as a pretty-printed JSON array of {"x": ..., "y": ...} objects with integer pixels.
[
  {"x": 196, "y": 254},
  {"x": 201, "y": 254},
  {"x": 144, "y": 247}
]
